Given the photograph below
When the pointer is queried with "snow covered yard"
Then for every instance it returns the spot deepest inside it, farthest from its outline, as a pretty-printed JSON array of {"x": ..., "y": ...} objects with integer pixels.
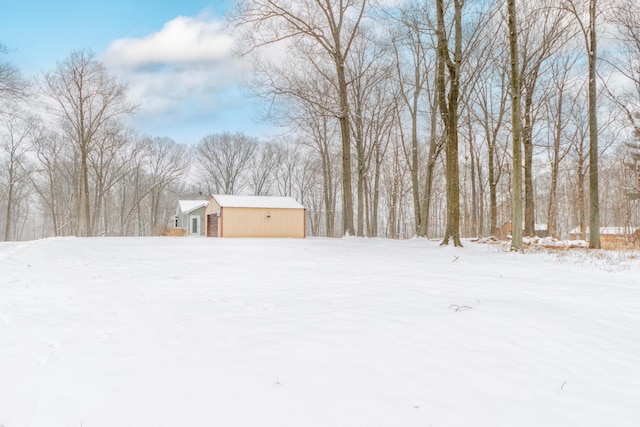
[{"x": 314, "y": 332}]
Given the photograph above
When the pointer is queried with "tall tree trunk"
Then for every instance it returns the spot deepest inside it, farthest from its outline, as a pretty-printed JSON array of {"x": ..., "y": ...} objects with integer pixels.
[
  {"x": 376, "y": 193},
  {"x": 481, "y": 197},
  {"x": 9, "y": 216},
  {"x": 453, "y": 185},
  {"x": 52, "y": 206},
  {"x": 474, "y": 195},
  {"x": 516, "y": 193},
  {"x": 493, "y": 185},
  {"x": 123, "y": 199},
  {"x": 328, "y": 192},
  {"x": 347, "y": 193},
  {"x": 582, "y": 222},
  {"x": 527, "y": 143},
  {"x": 552, "y": 213},
  {"x": 448, "y": 106},
  {"x": 594, "y": 204},
  {"x": 79, "y": 198},
  {"x": 84, "y": 196},
  {"x": 414, "y": 153},
  {"x": 361, "y": 174},
  {"x": 492, "y": 129},
  {"x": 435, "y": 146}
]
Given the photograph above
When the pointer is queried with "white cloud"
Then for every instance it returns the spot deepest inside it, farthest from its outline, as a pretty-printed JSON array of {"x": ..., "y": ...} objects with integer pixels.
[
  {"x": 184, "y": 73},
  {"x": 184, "y": 40}
]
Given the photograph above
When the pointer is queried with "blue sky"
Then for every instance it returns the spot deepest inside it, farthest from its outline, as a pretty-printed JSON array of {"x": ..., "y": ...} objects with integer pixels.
[{"x": 175, "y": 56}]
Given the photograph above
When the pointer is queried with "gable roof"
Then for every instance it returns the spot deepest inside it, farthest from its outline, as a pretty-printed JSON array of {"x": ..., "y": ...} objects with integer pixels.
[
  {"x": 256, "y": 202},
  {"x": 186, "y": 206}
]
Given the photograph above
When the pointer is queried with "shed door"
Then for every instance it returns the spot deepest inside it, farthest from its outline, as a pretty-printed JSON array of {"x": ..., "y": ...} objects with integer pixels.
[
  {"x": 212, "y": 225},
  {"x": 194, "y": 225}
]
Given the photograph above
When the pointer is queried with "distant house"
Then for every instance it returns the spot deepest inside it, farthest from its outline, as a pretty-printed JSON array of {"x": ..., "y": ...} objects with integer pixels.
[
  {"x": 607, "y": 234},
  {"x": 255, "y": 216},
  {"x": 190, "y": 216},
  {"x": 504, "y": 231}
]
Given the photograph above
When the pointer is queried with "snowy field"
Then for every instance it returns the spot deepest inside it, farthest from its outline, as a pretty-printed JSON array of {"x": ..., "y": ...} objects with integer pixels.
[{"x": 179, "y": 332}]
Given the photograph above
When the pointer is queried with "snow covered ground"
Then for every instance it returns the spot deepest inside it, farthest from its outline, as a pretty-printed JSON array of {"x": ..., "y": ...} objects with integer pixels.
[{"x": 314, "y": 332}]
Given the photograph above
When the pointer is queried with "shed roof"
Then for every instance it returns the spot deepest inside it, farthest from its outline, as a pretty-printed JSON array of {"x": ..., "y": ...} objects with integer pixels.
[
  {"x": 256, "y": 202},
  {"x": 187, "y": 206}
]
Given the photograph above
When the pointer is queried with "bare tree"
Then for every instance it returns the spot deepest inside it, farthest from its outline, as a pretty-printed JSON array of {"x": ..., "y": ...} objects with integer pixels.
[
  {"x": 585, "y": 16},
  {"x": 291, "y": 156},
  {"x": 306, "y": 177},
  {"x": 306, "y": 105},
  {"x": 85, "y": 98},
  {"x": 578, "y": 128},
  {"x": 414, "y": 63},
  {"x": 625, "y": 61},
  {"x": 370, "y": 75},
  {"x": 436, "y": 145},
  {"x": 631, "y": 185},
  {"x": 448, "y": 102},
  {"x": 327, "y": 27},
  {"x": 15, "y": 133},
  {"x": 490, "y": 102},
  {"x": 54, "y": 177},
  {"x": 627, "y": 23},
  {"x": 559, "y": 107},
  {"x": 594, "y": 194},
  {"x": 107, "y": 167},
  {"x": 130, "y": 193},
  {"x": 12, "y": 85},
  {"x": 166, "y": 163},
  {"x": 484, "y": 103},
  {"x": 542, "y": 33},
  {"x": 263, "y": 164},
  {"x": 319, "y": 130},
  {"x": 379, "y": 130},
  {"x": 224, "y": 158},
  {"x": 397, "y": 186}
]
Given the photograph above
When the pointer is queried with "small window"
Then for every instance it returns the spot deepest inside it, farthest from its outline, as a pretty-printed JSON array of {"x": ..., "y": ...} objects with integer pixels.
[{"x": 194, "y": 225}]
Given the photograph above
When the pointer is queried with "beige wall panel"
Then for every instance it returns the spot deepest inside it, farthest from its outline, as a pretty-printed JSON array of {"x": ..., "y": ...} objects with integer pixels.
[
  {"x": 213, "y": 206},
  {"x": 262, "y": 222}
]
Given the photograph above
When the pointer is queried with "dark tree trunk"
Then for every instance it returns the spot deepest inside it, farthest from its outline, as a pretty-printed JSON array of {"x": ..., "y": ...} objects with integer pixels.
[
  {"x": 347, "y": 193},
  {"x": 594, "y": 204},
  {"x": 516, "y": 193},
  {"x": 448, "y": 106}
]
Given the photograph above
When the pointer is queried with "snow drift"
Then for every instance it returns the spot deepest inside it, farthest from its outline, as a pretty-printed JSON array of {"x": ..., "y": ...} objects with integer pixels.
[{"x": 314, "y": 332}]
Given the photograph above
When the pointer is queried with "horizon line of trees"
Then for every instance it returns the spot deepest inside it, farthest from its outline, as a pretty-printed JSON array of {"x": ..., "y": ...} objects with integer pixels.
[{"x": 396, "y": 124}]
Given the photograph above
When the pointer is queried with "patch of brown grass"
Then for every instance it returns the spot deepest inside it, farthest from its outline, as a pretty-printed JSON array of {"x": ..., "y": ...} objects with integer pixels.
[
  {"x": 621, "y": 245},
  {"x": 172, "y": 232}
]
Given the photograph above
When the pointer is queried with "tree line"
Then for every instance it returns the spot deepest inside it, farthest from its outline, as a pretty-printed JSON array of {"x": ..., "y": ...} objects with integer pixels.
[{"x": 444, "y": 120}]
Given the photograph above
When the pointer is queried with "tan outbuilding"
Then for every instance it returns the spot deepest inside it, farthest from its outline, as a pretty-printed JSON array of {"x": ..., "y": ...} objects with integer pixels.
[{"x": 255, "y": 216}]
